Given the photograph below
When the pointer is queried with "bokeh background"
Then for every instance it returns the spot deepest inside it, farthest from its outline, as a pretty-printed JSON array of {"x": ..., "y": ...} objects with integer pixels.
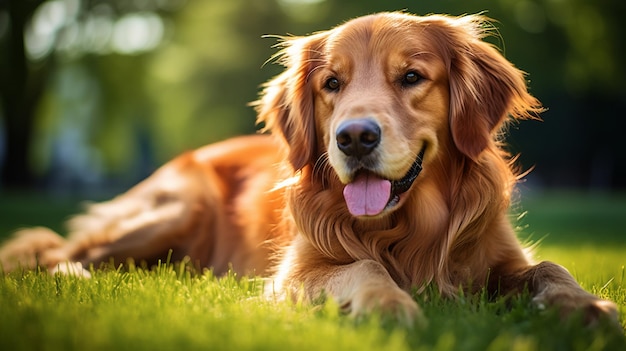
[{"x": 95, "y": 94}]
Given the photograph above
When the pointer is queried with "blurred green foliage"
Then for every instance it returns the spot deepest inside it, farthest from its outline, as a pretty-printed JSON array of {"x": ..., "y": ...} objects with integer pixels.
[{"x": 129, "y": 84}]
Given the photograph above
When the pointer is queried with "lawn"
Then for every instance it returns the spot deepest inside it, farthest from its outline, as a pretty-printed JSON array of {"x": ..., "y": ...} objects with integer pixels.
[{"x": 170, "y": 308}]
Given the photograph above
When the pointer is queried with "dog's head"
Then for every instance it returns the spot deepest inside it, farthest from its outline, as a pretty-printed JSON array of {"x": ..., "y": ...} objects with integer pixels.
[{"x": 381, "y": 96}]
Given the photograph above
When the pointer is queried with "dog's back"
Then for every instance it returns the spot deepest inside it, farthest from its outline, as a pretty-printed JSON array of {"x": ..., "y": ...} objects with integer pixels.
[{"x": 217, "y": 205}]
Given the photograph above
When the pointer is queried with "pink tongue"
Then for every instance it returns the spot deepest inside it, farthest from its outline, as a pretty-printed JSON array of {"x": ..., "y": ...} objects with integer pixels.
[{"x": 367, "y": 195}]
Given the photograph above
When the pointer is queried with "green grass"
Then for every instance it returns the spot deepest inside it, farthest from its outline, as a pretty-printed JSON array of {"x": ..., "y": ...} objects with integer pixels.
[{"x": 170, "y": 308}]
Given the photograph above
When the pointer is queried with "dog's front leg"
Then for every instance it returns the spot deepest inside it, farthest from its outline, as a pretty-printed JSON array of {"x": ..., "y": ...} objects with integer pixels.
[
  {"x": 552, "y": 285},
  {"x": 365, "y": 286},
  {"x": 360, "y": 288}
]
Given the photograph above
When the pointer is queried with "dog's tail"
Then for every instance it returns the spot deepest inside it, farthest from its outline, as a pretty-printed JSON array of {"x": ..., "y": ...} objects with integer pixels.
[{"x": 30, "y": 248}]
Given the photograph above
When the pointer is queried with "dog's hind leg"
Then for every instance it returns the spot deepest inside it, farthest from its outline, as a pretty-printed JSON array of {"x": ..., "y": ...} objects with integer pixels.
[
  {"x": 172, "y": 207},
  {"x": 156, "y": 219},
  {"x": 31, "y": 247}
]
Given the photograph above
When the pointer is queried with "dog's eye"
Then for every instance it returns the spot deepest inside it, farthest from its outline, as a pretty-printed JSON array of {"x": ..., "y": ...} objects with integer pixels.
[
  {"x": 332, "y": 84},
  {"x": 411, "y": 78}
]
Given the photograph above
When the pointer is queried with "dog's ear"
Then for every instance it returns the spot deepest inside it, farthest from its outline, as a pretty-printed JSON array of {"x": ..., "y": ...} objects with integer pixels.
[
  {"x": 286, "y": 105},
  {"x": 485, "y": 88}
]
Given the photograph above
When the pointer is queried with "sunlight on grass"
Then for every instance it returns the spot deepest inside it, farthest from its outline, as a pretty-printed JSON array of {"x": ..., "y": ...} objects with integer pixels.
[
  {"x": 166, "y": 309},
  {"x": 171, "y": 308}
]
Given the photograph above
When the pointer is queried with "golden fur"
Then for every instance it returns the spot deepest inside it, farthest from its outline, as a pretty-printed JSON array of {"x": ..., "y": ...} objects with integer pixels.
[{"x": 429, "y": 84}]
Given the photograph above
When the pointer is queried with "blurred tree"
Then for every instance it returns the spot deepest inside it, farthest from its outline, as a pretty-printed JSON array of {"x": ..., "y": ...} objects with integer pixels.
[
  {"x": 21, "y": 85},
  {"x": 129, "y": 84},
  {"x": 54, "y": 54},
  {"x": 36, "y": 37}
]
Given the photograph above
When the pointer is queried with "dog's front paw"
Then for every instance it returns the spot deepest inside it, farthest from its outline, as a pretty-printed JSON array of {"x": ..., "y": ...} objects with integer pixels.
[
  {"x": 71, "y": 268},
  {"x": 593, "y": 309},
  {"x": 388, "y": 301}
]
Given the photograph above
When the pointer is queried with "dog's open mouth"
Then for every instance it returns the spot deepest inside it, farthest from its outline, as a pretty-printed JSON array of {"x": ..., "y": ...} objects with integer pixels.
[{"x": 369, "y": 195}]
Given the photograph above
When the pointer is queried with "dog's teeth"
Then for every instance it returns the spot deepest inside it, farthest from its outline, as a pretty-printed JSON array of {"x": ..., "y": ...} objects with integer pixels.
[{"x": 394, "y": 201}]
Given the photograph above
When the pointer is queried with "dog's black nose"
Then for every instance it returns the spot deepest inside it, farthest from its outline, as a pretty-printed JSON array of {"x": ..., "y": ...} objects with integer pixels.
[{"x": 358, "y": 137}]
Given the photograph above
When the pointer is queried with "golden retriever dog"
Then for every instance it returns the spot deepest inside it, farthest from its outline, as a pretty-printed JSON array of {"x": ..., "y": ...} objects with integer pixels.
[{"x": 384, "y": 173}]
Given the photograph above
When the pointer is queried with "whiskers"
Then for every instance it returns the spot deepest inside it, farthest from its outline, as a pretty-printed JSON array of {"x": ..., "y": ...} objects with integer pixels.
[{"x": 322, "y": 169}]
